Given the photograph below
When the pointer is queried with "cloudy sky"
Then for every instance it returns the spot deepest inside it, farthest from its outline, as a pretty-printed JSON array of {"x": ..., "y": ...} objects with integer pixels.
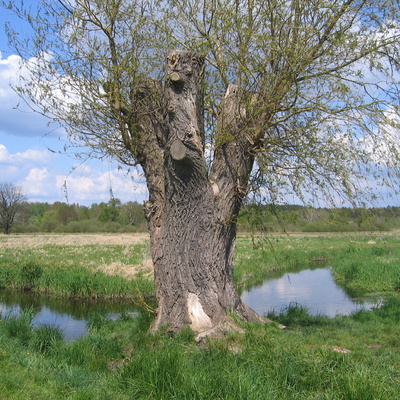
[
  {"x": 46, "y": 176},
  {"x": 25, "y": 158}
]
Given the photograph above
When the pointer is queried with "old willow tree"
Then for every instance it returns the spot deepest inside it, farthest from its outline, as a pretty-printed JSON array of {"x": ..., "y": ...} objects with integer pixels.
[{"x": 213, "y": 100}]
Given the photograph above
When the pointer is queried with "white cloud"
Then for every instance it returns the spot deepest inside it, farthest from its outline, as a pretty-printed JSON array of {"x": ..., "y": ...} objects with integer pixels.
[
  {"x": 46, "y": 176},
  {"x": 16, "y": 118},
  {"x": 38, "y": 182},
  {"x": 26, "y": 157},
  {"x": 384, "y": 147},
  {"x": 11, "y": 65},
  {"x": 9, "y": 173},
  {"x": 89, "y": 185}
]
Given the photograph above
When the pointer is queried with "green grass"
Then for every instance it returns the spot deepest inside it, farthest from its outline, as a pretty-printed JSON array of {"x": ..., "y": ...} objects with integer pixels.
[
  {"x": 370, "y": 267},
  {"x": 73, "y": 281},
  {"x": 347, "y": 357},
  {"x": 366, "y": 263},
  {"x": 74, "y": 271},
  {"x": 352, "y": 357}
]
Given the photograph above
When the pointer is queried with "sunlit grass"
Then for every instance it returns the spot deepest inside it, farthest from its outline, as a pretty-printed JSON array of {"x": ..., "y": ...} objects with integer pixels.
[
  {"x": 77, "y": 271},
  {"x": 348, "y": 357},
  {"x": 83, "y": 270},
  {"x": 363, "y": 262}
]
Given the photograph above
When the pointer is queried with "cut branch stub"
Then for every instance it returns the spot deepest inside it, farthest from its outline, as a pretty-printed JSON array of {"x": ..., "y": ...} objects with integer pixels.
[
  {"x": 178, "y": 150},
  {"x": 174, "y": 77}
]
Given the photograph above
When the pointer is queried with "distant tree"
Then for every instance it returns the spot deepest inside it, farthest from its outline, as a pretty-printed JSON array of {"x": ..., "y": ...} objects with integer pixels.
[
  {"x": 94, "y": 210},
  {"x": 132, "y": 213},
  {"x": 83, "y": 213},
  {"x": 12, "y": 199},
  {"x": 49, "y": 220},
  {"x": 35, "y": 211},
  {"x": 65, "y": 212},
  {"x": 110, "y": 211}
]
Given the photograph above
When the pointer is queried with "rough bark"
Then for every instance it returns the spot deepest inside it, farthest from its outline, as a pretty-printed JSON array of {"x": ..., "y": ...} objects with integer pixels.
[{"x": 192, "y": 211}]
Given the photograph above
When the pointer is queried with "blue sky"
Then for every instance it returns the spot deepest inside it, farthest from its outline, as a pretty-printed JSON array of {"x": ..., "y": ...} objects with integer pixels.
[{"x": 25, "y": 159}]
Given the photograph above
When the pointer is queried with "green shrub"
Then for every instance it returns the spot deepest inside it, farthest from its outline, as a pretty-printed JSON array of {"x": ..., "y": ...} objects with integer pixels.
[
  {"x": 321, "y": 226},
  {"x": 73, "y": 227}
]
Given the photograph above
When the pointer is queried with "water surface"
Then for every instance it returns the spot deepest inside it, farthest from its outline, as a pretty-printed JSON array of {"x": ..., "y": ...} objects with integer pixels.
[
  {"x": 313, "y": 288},
  {"x": 70, "y": 315}
]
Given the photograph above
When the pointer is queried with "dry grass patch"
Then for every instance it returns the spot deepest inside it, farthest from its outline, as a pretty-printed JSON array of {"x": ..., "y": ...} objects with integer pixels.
[
  {"x": 125, "y": 255},
  {"x": 117, "y": 268},
  {"x": 72, "y": 240}
]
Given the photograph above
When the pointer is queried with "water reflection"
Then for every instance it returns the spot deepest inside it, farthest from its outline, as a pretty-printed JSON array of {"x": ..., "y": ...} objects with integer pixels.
[
  {"x": 312, "y": 288},
  {"x": 70, "y": 315}
]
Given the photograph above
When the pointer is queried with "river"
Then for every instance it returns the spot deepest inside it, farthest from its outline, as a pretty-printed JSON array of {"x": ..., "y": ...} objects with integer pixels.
[{"x": 312, "y": 288}]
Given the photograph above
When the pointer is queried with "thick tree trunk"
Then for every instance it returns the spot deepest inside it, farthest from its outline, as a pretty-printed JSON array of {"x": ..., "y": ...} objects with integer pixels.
[{"x": 191, "y": 210}]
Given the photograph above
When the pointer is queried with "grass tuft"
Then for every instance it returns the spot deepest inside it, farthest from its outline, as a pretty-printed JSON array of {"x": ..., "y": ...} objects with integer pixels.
[
  {"x": 18, "y": 326},
  {"x": 297, "y": 315},
  {"x": 96, "y": 321},
  {"x": 46, "y": 339}
]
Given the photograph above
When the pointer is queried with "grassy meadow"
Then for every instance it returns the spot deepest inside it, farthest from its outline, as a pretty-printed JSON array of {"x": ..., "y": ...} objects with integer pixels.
[
  {"x": 83, "y": 266},
  {"x": 347, "y": 357}
]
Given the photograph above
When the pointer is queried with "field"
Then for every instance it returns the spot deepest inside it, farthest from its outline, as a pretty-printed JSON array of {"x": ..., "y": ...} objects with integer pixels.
[
  {"x": 100, "y": 265},
  {"x": 348, "y": 357}
]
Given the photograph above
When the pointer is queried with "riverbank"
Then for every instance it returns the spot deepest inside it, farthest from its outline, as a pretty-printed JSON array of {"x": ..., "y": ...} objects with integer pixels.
[
  {"x": 365, "y": 263},
  {"x": 354, "y": 357},
  {"x": 79, "y": 266},
  {"x": 347, "y": 357},
  {"x": 109, "y": 265}
]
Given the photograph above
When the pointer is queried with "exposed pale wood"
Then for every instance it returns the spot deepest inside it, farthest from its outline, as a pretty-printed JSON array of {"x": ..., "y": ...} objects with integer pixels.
[{"x": 178, "y": 150}]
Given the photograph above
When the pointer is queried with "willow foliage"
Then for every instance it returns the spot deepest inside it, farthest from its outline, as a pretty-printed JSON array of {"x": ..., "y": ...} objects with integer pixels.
[{"x": 325, "y": 74}]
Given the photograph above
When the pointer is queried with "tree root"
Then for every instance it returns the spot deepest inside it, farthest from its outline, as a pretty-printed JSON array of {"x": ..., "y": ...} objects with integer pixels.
[{"x": 227, "y": 324}]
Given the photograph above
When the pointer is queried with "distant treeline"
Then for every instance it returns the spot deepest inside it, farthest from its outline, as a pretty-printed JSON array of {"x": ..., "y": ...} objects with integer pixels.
[
  {"x": 295, "y": 218},
  {"x": 115, "y": 216},
  {"x": 74, "y": 218}
]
